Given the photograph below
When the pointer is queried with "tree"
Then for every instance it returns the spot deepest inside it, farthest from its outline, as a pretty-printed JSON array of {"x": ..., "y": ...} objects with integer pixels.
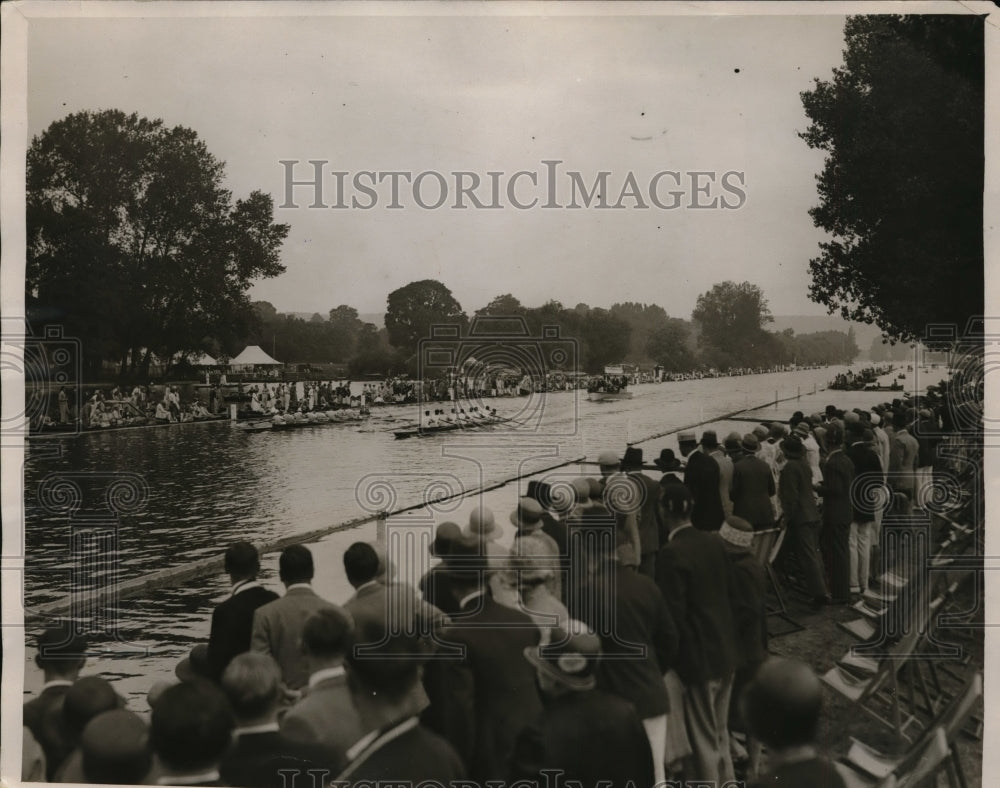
[
  {"x": 502, "y": 306},
  {"x": 668, "y": 347},
  {"x": 412, "y": 311},
  {"x": 901, "y": 190},
  {"x": 731, "y": 319},
  {"x": 345, "y": 326},
  {"x": 134, "y": 244}
]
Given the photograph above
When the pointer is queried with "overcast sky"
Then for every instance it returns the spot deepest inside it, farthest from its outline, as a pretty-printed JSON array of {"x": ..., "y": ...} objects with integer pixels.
[{"x": 481, "y": 94}]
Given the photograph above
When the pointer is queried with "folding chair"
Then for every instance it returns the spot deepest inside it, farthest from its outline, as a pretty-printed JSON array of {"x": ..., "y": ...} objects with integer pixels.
[{"x": 765, "y": 547}]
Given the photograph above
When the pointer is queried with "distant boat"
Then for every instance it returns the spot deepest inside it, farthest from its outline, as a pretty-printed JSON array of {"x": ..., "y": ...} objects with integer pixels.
[{"x": 608, "y": 396}]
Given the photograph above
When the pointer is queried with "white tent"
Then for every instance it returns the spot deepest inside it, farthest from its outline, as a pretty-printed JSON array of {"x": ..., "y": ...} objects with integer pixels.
[
  {"x": 202, "y": 360},
  {"x": 253, "y": 356}
]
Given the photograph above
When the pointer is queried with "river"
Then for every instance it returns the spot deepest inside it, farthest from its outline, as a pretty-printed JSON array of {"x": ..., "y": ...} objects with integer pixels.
[{"x": 191, "y": 489}]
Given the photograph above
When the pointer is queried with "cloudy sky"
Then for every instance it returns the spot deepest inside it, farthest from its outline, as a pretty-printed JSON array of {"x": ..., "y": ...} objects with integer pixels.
[{"x": 622, "y": 94}]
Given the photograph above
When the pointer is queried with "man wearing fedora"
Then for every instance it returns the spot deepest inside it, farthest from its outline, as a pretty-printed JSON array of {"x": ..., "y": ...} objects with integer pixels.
[
  {"x": 483, "y": 696},
  {"x": 802, "y": 519},
  {"x": 703, "y": 478},
  {"x": 544, "y": 551},
  {"x": 753, "y": 486},
  {"x": 591, "y": 737},
  {"x": 621, "y": 495},
  {"x": 648, "y": 520}
]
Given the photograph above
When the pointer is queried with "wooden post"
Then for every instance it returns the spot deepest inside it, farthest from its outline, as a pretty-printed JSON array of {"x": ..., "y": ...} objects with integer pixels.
[{"x": 380, "y": 523}]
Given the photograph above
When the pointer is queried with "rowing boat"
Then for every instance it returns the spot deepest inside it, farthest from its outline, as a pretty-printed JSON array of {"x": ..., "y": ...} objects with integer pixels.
[
  {"x": 608, "y": 396},
  {"x": 423, "y": 432}
]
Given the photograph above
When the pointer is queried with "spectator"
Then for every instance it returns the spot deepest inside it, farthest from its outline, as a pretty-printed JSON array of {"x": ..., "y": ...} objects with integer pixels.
[
  {"x": 113, "y": 750},
  {"x": 649, "y": 532},
  {"x": 838, "y": 513},
  {"x": 703, "y": 479},
  {"x": 802, "y": 519},
  {"x": 866, "y": 498},
  {"x": 436, "y": 585},
  {"x": 544, "y": 551},
  {"x": 782, "y": 705},
  {"x": 262, "y": 757},
  {"x": 903, "y": 456},
  {"x": 190, "y": 730},
  {"x": 589, "y": 736},
  {"x": 485, "y": 694},
  {"x": 721, "y": 457},
  {"x": 62, "y": 727},
  {"x": 753, "y": 486},
  {"x": 232, "y": 620},
  {"x": 399, "y": 748},
  {"x": 61, "y": 655},
  {"x": 621, "y": 497},
  {"x": 533, "y": 578},
  {"x": 326, "y": 714},
  {"x": 693, "y": 574},
  {"x": 277, "y": 626}
]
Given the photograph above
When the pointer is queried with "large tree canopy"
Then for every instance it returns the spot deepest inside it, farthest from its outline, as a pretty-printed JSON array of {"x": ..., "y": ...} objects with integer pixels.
[
  {"x": 413, "y": 310},
  {"x": 731, "y": 319},
  {"x": 901, "y": 190},
  {"x": 134, "y": 244}
]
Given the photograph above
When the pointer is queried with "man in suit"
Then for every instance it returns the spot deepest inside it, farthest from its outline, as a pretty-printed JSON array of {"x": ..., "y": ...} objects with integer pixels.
[
  {"x": 61, "y": 655},
  {"x": 376, "y": 595},
  {"x": 436, "y": 585},
  {"x": 638, "y": 636},
  {"x": 190, "y": 730},
  {"x": 782, "y": 705},
  {"x": 399, "y": 748},
  {"x": 753, "y": 486},
  {"x": 838, "y": 514},
  {"x": 620, "y": 495},
  {"x": 589, "y": 736},
  {"x": 261, "y": 753},
  {"x": 693, "y": 574},
  {"x": 232, "y": 620},
  {"x": 481, "y": 698},
  {"x": 702, "y": 477},
  {"x": 866, "y": 499},
  {"x": 277, "y": 626},
  {"x": 802, "y": 519},
  {"x": 325, "y": 714},
  {"x": 649, "y": 532}
]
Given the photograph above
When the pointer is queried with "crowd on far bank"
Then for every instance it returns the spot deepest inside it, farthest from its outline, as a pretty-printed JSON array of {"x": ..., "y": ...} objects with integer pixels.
[{"x": 620, "y": 639}]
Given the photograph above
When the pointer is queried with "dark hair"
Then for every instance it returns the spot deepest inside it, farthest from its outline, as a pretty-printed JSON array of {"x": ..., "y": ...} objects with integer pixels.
[
  {"x": 676, "y": 498},
  {"x": 191, "y": 725},
  {"x": 779, "y": 713},
  {"x": 899, "y": 419},
  {"x": 834, "y": 435},
  {"x": 252, "y": 684},
  {"x": 87, "y": 698},
  {"x": 385, "y": 664},
  {"x": 295, "y": 565},
  {"x": 326, "y": 632},
  {"x": 360, "y": 563},
  {"x": 242, "y": 560},
  {"x": 60, "y": 648}
]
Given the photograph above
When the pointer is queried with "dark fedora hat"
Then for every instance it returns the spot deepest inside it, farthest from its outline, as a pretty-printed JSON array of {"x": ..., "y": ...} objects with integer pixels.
[
  {"x": 792, "y": 447},
  {"x": 541, "y": 492},
  {"x": 709, "y": 439},
  {"x": 445, "y": 539},
  {"x": 667, "y": 461},
  {"x": 632, "y": 460}
]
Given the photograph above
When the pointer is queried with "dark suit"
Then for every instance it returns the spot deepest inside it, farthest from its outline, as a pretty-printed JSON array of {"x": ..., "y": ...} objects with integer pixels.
[
  {"x": 590, "y": 737},
  {"x": 637, "y": 618},
  {"x": 692, "y": 571},
  {"x": 747, "y": 591},
  {"x": 867, "y": 476},
  {"x": 649, "y": 531},
  {"x": 410, "y": 758},
  {"x": 232, "y": 626},
  {"x": 814, "y": 771},
  {"x": 376, "y": 602},
  {"x": 753, "y": 486},
  {"x": 702, "y": 477},
  {"x": 42, "y": 716},
  {"x": 277, "y": 630},
  {"x": 325, "y": 715},
  {"x": 435, "y": 586},
  {"x": 481, "y": 701},
  {"x": 838, "y": 475},
  {"x": 256, "y": 760}
]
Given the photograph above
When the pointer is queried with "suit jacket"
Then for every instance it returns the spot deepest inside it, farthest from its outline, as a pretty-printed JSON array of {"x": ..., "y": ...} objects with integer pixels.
[
  {"x": 277, "y": 628},
  {"x": 406, "y": 753},
  {"x": 636, "y": 618},
  {"x": 795, "y": 488},
  {"x": 41, "y": 716},
  {"x": 903, "y": 454},
  {"x": 747, "y": 590},
  {"x": 325, "y": 715},
  {"x": 256, "y": 760},
  {"x": 867, "y": 477},
  {"x": 702, "y": 477},
  {"x": 753, "y": 486},
  {"x": 435, "y": 586},
  {"x": 590, "y": 737},
  {"x": 692, "y": 571},
  {"x": 649, "y": 532},
  {"x": 838, "y": 475},
  {"x": 380, "y": 601},
  {"x": 480, "y": 701},
  {"x": 232, "y": 627}
]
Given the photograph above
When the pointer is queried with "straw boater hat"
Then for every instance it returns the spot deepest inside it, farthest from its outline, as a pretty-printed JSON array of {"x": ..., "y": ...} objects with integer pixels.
[
  {"x": 527, "y": 517},
  {"x": 737, "y": 534},
  {"x": 608, "y": 459},
  {"x": 570, "y": 657},
  {"x": 686, "y": 437},
  {"x": 667, "y": 461}
]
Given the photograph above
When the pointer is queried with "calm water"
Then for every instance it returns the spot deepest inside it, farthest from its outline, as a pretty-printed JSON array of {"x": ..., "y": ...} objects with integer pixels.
[{"x": 191, "y": 489}]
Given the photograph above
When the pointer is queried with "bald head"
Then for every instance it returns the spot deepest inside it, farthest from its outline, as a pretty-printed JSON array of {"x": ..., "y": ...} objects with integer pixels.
[{"x": 781, "y": 704}]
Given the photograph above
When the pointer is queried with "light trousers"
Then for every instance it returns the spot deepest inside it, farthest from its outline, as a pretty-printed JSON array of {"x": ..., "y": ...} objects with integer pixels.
[
  {"x": 656, "y": 731},
  {"x": 706, "y": 711},
  {"x": 860, "y": 546}
]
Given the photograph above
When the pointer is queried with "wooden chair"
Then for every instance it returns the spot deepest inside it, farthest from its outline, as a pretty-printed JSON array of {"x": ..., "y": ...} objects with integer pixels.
[{"x": 765, "y": 547}]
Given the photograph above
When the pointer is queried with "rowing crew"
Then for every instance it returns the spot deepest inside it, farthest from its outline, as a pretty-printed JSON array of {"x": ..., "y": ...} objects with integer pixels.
[
  {"x": 440, "y": 418},
  {"x": 319, "y": 416}
]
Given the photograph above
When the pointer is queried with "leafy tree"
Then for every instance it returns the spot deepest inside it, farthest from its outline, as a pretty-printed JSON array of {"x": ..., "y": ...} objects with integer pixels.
[
  {"x": 134, "y": 244},
  {"x": 502, "y": 306},
  {"x": 731, "y": 319},
  {"x": 668, "y": 346},
  {"x": 412, "y": 311},
  {"x": 901, "y": 191},
  {"x": 345, "y": 327}
]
